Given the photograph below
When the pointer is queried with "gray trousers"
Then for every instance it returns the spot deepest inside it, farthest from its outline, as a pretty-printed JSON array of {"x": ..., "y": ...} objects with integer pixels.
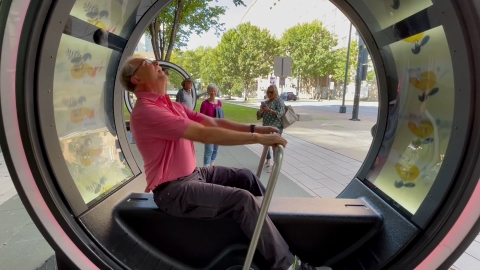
[{"x": 218, "y": 192}]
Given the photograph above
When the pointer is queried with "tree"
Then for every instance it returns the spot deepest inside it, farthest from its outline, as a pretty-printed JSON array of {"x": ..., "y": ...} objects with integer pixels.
[
  {"x": 180, "y": 19},
  {"x": 211, "y": 68},
  {"x": 191, "y": 60},
  {"x": 340, "y": 63},
  {"x": 310, "y": 46},
  {"x": 211, "y": 72},
  {"x": 371, "y": 76},
  {"x": 246, "y": 52}
]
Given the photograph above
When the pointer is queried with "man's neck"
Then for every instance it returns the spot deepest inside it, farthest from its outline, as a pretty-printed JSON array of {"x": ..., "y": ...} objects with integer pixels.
[
  {"x": 156, "y": 89},
  {"x": 187, "y": 90}
]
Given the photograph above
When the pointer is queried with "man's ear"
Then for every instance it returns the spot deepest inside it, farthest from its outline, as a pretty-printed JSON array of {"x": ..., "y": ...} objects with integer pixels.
[{"x": 135, "y": 80}]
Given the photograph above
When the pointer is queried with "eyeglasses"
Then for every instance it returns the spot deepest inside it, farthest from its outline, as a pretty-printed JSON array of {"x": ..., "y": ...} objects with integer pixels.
[
  {"x": 269, "y": 92},
  {"x": 148, "y": 61}
]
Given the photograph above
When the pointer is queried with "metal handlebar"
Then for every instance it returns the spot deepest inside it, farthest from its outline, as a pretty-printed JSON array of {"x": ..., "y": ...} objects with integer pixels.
[{"x": 266, "y": 201}]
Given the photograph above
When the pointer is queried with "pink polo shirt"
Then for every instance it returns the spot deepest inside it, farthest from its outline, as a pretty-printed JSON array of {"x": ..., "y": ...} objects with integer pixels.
[{"x": 157, "y": 125}]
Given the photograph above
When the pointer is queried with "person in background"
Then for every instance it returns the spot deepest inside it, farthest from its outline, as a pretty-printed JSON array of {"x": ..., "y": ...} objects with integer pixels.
[
  {"x": 185, "y": 95},
  {"x": 271, "y": 112},
  {"x": 211, "y": 107}
]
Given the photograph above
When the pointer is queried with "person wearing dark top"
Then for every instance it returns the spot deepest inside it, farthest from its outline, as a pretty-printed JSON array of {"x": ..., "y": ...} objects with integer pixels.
[{"x": 185, "y": 95}]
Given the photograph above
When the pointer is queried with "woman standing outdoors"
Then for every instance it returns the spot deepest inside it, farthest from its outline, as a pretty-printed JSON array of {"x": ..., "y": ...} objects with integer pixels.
[
  {"x": 271, "y": 111},
  {"x": 211, "y": 107}
]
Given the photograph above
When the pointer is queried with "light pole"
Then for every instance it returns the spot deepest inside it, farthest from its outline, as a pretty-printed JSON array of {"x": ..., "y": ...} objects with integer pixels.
[
  {"x": 343, "y": 109},
  {"x": 362, "y": 56},
  {"x": 328, "y": 86},
  {"x": 298, "y": 81}
]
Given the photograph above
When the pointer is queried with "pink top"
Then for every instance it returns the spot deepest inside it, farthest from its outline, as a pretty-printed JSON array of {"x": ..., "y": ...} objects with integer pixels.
[
  {"x": 157, "y": 125},
  {"x": 209, "y": 109}
]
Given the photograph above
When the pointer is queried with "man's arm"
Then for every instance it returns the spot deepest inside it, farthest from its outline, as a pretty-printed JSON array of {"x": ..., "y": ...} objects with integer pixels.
[
  {"x": 221, "y": 136},
  {"x": 226, "y": 124},
  {"x": 159, "y": 123}
]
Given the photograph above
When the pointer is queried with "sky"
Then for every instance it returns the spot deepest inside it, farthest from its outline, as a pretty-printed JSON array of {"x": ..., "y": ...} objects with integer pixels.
[{"x": 231, "y": 18}]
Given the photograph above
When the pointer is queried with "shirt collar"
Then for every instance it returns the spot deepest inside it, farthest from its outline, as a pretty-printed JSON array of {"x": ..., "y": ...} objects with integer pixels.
[{"x": 153, "y": 97}]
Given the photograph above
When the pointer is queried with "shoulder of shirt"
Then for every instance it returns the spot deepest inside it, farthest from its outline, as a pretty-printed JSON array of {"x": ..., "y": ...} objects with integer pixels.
[
  {"x": 143, "y": 106},
  {"x": 144, "y": 102},
  {"x": 180, "y": 105}
]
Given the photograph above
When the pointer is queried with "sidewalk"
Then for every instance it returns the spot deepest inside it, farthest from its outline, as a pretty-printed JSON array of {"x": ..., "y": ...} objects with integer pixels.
[
  {"x": 22, "y": 246},
  {"x": 332, "y": 130}
]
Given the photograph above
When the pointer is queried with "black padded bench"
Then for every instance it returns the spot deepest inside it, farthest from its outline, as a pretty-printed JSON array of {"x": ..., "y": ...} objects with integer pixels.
[{"x": 317, "y": 230}]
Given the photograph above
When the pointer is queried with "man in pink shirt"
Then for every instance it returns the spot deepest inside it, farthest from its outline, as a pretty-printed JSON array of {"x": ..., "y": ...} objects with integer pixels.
[{"x": 164, "y": 131}]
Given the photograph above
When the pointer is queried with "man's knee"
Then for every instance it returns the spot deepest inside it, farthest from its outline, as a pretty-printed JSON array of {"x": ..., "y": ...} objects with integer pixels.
[
  {"x": 246, "y": 174},
  {"x": 245, "y": 199}
]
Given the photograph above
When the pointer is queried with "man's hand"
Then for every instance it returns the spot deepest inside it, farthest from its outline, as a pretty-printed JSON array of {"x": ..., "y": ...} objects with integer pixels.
[
  {"x": 266, "y": 130},
  {"x": 271, "y": 139}
]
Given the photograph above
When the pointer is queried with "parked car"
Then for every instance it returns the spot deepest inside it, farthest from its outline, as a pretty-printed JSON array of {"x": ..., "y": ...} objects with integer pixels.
[{"x": 288, "y": 96}]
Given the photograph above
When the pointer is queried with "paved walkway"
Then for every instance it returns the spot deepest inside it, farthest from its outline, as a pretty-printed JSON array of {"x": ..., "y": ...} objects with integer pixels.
[
  {"x": 321, "y": 158},
  {"x": 332, "y": 130},
  {"x": 22, "y": 247}
]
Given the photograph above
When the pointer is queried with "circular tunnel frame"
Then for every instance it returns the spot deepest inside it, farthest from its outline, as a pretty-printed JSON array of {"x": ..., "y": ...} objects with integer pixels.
[{"x": 38, "y": 189}]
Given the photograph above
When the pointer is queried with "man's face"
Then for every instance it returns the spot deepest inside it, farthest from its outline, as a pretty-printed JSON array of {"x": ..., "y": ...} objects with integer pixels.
[
  {"x": 188, "y": 85},
  {"x": 147, "y": 71}
]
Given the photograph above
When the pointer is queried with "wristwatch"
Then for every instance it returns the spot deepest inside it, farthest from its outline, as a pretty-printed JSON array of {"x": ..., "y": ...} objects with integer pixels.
[{"x": 252, "y": 128}]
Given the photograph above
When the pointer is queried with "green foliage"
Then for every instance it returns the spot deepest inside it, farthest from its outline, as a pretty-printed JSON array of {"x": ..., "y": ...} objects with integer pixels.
[
  {"x": 174, "y": 80},
  {"x": 309, "y": 45},
  {"x": 181, "y": 18},
  {"x": 371, "y": 76},
  {"x": 210, "y": 68},
  {"x": 211, "y": 72},
  {"x": 191, "y": 61},
  {"x": 237, "y": 87},
  {"x": 246, "y": 52},
  {"x": 340, "y": 63}
]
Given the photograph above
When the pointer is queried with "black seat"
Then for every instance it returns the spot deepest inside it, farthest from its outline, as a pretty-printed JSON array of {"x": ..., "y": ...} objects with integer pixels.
[{"x": 317, "y": 230}]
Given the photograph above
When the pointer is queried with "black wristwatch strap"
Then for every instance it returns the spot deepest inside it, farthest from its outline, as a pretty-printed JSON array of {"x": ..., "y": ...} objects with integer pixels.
[{"x": 252, "y": 128}]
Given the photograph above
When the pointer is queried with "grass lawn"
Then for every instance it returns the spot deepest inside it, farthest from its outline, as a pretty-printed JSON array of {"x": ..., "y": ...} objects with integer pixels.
[
  {"x": 126, "y": 113},
  {"x": 233, "y": 112},
  {"x": 236, "y": 113}
]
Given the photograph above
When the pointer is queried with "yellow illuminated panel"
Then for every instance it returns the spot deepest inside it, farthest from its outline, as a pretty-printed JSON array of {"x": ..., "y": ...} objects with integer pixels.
[
  {"x": 114, "y": 16},
  {"x": 389, "y": 12},
  {"x": 90, "y": 150},
  {"x": 420, "y": 118}
]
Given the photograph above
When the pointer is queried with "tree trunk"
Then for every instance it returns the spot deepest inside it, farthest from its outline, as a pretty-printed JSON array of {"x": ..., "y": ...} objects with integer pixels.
[
  {"x": 154, "y": 40},
  {"x": 162, "y": 42},
  {"x": 246, "y": 90},
  {"x": 175, "y": 26}
]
